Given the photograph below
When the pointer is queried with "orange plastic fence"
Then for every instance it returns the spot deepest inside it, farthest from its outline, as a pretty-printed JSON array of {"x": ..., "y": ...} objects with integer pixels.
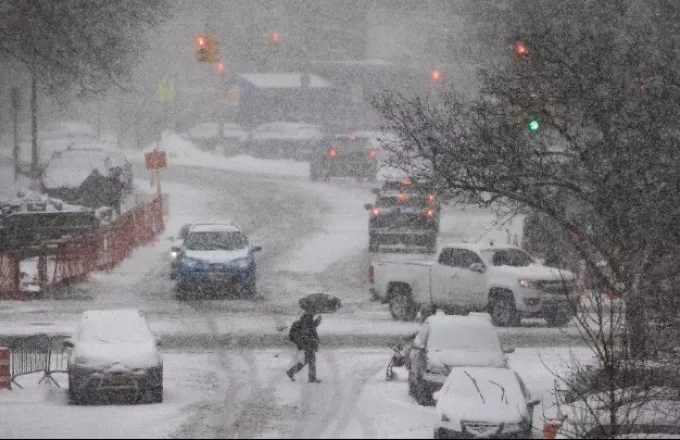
[{"x": 75, "y": 259}]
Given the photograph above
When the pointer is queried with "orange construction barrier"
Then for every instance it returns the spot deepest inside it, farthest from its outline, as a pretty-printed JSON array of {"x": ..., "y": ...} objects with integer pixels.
[{"x": 5, "y": 372}]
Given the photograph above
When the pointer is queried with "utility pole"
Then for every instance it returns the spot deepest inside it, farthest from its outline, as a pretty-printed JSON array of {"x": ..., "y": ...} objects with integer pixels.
[
  {"x": 15, "y": 127},
  {"x": 35, "y": 157}
]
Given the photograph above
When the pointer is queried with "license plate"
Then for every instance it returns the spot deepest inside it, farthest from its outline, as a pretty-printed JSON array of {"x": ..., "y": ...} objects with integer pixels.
[
  {"x": 217, "y": 276},
  {"x": 117, "y": 381}
]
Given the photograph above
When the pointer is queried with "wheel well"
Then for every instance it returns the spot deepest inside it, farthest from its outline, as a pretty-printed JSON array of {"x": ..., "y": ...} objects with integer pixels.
[
  {"x": 498, "y": 292},
  {"x": 395, "y": 288}
]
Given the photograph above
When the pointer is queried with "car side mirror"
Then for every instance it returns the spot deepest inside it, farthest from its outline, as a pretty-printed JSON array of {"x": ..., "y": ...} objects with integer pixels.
[
  {"x": 256, "y": 248},
  {"x": 368, "y": 206},
  {"x": 477, "y": 267},
  {"x": 508, "y": 350},
  {"x": 67, "y": 343},
  {"x": 535, "y": 402}
]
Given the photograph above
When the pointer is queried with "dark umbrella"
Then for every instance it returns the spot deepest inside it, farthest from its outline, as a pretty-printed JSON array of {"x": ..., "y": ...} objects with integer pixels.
[{"x": 320, "y": 303}]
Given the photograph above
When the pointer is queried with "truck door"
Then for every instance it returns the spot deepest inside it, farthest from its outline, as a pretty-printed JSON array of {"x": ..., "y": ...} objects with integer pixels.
[{"x": 453, "y": 283}]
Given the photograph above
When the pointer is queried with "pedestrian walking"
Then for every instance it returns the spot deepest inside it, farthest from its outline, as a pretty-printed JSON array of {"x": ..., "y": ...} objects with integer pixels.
[{"x": 303, "y": 334}]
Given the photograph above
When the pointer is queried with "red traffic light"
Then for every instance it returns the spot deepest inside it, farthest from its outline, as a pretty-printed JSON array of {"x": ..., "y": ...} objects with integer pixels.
[
  {"x": 521, "y": 49},
  {"x": 436, "y": 75},
  {"x": 276, "y": 38}
]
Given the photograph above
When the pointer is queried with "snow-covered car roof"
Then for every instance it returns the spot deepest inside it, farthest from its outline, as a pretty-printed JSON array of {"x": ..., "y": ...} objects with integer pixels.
[
  {"x": 478, "y": 247},
  {"x": 114, "y": 326},
  {"x": 287, "y": 130},
  {"x": 70, "y": 168},
  {"x": 215, "y": 227},
  {"x": 482, "y": 394},
  {"x": 283, "y": 80}
]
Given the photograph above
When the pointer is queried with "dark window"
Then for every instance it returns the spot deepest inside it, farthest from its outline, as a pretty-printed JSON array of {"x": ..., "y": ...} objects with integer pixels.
[{"x": 458, "y": 258}]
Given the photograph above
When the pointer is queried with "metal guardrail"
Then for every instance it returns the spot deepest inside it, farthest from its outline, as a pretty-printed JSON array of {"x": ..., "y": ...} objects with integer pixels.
[{"x": 35, "y": 354}]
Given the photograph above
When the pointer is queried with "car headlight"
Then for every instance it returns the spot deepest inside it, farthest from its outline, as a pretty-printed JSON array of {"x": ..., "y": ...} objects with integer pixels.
[
  {"x": 241, "y": 263},
  {"x": 528, "y": 284},
  {"x": 174, "y": 255}
]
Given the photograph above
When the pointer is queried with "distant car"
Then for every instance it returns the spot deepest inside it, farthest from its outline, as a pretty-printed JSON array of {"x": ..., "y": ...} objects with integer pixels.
[
  {"x": 444, "y": 342},
  {"x": 484, "y": 402},
  {"x": 207, "y": 135},
  {"x": 176, "y": 249},
  {"x": 215, "y": 258},
  {"x": 283, "y": 140},
  {"x": 112, "y": 356},
  {"x": 345, "y": 156}
]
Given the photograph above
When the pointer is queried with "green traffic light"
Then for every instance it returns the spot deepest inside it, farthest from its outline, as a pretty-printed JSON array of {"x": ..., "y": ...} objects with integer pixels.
[{"x": 534, "y": 125}]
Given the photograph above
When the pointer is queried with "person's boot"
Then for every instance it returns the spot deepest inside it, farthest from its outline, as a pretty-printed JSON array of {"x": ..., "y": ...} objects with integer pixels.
[
  {"x": 290, "y": 375},
  {"x": 314, "y": 381}
]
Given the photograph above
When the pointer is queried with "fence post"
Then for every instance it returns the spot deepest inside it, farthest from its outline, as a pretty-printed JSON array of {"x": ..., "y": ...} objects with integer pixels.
[{"x": 5, "y": 372}]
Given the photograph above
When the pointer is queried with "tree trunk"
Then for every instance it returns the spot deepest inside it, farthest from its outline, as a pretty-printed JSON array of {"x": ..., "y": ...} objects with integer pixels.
[{"x": 35, "y": 157}]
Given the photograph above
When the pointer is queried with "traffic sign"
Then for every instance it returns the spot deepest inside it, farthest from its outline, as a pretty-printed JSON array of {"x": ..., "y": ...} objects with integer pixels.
[
  {"x": 155, "y": 160},
  {"x": 166, "y": 90}
]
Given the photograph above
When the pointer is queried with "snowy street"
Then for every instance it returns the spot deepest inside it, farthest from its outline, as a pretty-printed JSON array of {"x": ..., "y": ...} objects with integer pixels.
[{"x": 245, "y": 394}]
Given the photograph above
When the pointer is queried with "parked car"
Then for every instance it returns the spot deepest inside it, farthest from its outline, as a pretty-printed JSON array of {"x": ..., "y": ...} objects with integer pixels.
[
  {"x": 484, "y": 402},
  {"x": 207, "y": 136},
  {"x": 344, "y": 156},
  {"x": 444, "y": 342},
  {"x": 283, "y": 140},
  {"x": 502, "y": 280},
  {"x": 112, "y": 356},
  {"x": 176, "y": 249},
  {"x": 216, "y": 258}
]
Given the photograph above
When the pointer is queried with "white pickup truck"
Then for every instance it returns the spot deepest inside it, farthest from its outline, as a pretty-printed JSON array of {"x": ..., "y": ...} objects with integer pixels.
[{"x": 502, "y": 280}]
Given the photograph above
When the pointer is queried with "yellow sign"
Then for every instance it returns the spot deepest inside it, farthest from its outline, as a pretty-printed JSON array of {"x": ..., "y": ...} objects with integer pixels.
[{"x": 166, "y": 90}]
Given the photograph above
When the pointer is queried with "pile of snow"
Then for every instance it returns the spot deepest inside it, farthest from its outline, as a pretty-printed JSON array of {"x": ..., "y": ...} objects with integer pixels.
[
  {"x": 70, "y": 168},
  {"x": 32, "y": 201},
  {"x": 183, "y": 152}
]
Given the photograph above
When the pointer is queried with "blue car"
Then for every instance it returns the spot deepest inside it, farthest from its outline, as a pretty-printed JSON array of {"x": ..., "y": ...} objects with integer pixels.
[{"x": 216, "y": 258}]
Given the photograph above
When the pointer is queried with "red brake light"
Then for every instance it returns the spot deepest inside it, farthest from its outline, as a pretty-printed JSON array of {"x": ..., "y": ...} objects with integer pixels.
[
  {"x": 371, "y": 275},
  {"x": 375, "y": 212},
  {"x": 403, "y": 197},
  {"x": 429, "y": 212},
  {"x": 352, "y": 138},
  {"x": 372, "y": 153},
  {"x": 332, "y": 152},
  {"x": 430, "y": 198}
]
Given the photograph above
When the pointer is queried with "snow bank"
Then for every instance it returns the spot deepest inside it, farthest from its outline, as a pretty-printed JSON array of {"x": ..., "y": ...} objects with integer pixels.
[{"x": 181, "y": 151}]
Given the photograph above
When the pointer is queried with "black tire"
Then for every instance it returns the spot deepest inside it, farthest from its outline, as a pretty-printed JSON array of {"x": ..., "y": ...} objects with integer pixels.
[
  {"x": 441, "y": 434},
  {"x": 156, "y": 395},
  {"x": 402, "y": 307},
  {"x": 411, "y": 386},
  {"x": 558, "y": 318},
  {"x": 422, "y": 394},
  {"x": 502, "y": 310}
]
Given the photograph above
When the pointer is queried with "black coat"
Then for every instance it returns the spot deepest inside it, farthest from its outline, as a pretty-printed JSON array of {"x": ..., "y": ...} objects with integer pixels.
[{"x": 309, "y": 339}]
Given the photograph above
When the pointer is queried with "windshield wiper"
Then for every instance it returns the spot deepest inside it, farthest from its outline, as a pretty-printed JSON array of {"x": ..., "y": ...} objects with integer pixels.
[
  {"x": 502, "y": 389},
  {"x": 474, "y": 382}
]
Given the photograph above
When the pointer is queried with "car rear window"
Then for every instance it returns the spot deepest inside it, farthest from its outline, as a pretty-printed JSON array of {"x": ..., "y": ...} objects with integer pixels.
[{"x": 115, "y": 329}]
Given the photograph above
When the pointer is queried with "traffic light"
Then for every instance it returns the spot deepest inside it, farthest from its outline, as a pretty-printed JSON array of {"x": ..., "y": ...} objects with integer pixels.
[
  {"x": 534, "y": 124},
  {"x": 521, "y": 49},
  {"x": 436, "y": 76},
  {"x": 273, "y": 41},
  {"x": 207, "y": 49}
]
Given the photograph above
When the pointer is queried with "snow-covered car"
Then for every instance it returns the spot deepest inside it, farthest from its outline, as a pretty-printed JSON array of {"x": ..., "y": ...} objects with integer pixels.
[
  {"x": 284, "y": 140},
  {"x": 176, "y": 249},
  {"x": 113, "y": 355},
  {"x": 89, "y": 176},
  {"x": 207, "y": 135},
  {"x": 344, "y": 156},
  {"x": 483, "y": 402},
  {"x": 502, "y": 280},
  {"x": 215, "y": 258},
  {"x": 444, "y": 342}
]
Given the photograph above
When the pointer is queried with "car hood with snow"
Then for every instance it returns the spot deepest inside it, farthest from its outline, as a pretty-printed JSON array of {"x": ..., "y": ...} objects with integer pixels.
[
  {"x": 217, "y": 256},
  {"x": 104, "y": 354},
  {"x": 482, "y": 396},
  {"x": 457, "y": 358}
]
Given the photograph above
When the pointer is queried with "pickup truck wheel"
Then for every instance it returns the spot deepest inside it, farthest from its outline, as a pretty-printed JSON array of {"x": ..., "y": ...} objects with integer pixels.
[
  {"x": 402, "y": 307},
  {"x": 502, "y": 311}
]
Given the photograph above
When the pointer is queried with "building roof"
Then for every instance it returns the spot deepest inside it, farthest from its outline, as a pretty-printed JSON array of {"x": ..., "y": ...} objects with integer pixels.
[{"x": 282, "y": 80}]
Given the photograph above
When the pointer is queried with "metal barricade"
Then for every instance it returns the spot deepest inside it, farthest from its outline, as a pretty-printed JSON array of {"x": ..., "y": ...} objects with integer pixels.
[{"x": 30, "y": 354}]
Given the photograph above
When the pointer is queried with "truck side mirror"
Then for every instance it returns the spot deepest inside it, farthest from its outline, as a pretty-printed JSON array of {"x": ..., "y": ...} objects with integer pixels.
[
  {"x": 368, "y": 206},
  {"x": 477, "y": 267}
]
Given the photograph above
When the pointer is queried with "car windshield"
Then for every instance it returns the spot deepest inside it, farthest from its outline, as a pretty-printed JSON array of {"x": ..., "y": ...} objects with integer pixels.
[
  {"x": 452, "y": 337},
  {"x": 347, "y": 144},
  {"x": 213, "y": 241},
  {"x": 403, "y": 201},
  {"x": 508, "y": 257}
]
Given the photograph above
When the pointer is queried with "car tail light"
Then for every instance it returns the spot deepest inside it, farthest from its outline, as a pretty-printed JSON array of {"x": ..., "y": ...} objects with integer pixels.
[
  {"x": 375, "y": 212},
  {"x": 404, "y": 197},
  {"x": 352, "y": 138},
  {"x": 431, "y": 198},
  {"x": 332, "y": 152},
  {"x": 407, "y": 182},
  {"x": 429, "y": 213},
  {"x": 372, "y": 153},
  {"x": 371, "y": 274}
]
